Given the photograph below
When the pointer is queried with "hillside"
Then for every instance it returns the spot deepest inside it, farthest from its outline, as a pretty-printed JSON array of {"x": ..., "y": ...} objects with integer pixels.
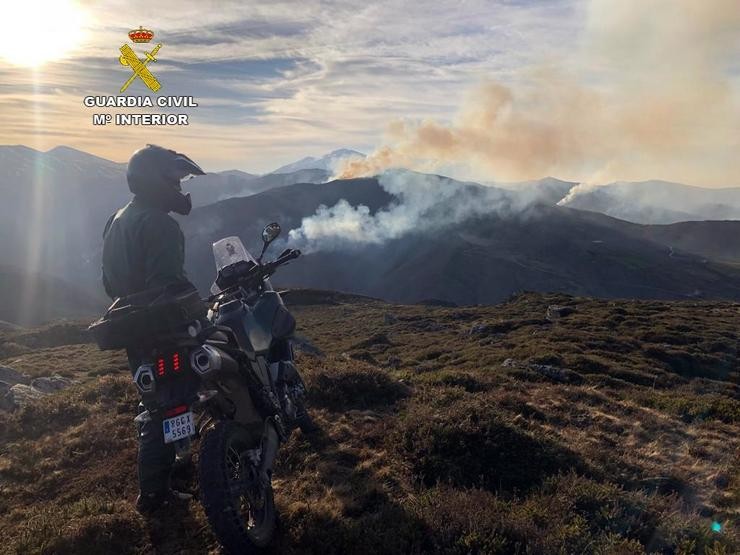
[
  {"x": 710, "y": 239},
  {"x": 54, "y": 206},
  {"x": 658, "y": 202},
  {"x": 611, "y": 427},
  {"x": 31, "y": 299},
  {"x": 476, "y": 258}
]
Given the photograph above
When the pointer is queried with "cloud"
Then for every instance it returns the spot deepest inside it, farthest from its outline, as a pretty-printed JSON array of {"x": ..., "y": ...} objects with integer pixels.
[
  {"x": 649, "y": 97},
  {"x": 311, "y": 75}
]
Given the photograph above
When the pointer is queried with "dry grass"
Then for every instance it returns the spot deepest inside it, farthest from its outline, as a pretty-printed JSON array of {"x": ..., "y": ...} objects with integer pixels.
[{"x": 429, "y": 444}]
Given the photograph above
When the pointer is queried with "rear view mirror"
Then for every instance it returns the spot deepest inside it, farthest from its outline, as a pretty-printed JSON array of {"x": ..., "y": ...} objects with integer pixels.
[{"x": 270, "y": 232}]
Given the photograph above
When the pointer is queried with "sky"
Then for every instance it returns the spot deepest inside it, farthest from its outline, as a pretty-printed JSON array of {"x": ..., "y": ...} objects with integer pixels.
[{"x": 277, "y": 81}]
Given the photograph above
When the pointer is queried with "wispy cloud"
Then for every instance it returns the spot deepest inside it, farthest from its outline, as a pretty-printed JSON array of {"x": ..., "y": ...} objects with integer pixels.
[{"x": 280, "y": 80}]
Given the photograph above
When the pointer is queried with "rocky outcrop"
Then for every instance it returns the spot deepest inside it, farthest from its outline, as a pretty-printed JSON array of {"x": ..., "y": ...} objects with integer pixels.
[
  {"x": 12, "y": 377},
  {"x": 20, "y": 395},
  {"x": 17, "y": 390},
  {"x": 553, "y": 373},
  {"x": 50, "y": 384},
  {"x": 555, "y": 312}
]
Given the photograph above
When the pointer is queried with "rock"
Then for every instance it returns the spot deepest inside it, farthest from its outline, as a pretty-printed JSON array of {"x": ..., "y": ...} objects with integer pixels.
[
  {"x": 429, "y": 326},
  {"x": 555, "y": 312},
  {"x": 389, "y": 318},
  {"x": 20, "y": 395},
  {"x": 553, "y": 373},
  {"x": 12, "y": 377},
  {"x": 17, "y": 395},
  {"x": 50, "y": 384},
  {"x": 304, "y": 345},
  {"x": 479, "y": 329}
]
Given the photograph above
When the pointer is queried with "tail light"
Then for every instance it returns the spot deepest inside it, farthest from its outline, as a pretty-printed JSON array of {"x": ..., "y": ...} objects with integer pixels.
[
  {"x": 169, "y": 363},
  {"x": 175, "y": 411}
]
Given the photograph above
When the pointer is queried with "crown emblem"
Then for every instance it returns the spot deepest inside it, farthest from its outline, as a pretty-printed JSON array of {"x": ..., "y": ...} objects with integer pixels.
[{"x": 141, "y": 35}]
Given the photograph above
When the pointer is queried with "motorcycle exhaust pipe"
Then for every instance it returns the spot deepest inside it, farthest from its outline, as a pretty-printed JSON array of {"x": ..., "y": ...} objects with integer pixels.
[{"x": 209, "y": 359}]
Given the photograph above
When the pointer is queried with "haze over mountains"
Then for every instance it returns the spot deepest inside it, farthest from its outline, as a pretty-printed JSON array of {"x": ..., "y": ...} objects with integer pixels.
[
  {"x": 327, "y": 162},
  {"x": 657, "y": 202},
  {"x": 405, "y": 238},
  {"x": 480, "y": 259}
]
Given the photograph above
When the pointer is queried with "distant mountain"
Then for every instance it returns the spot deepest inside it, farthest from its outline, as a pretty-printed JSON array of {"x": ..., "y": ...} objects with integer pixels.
[
  {"x": 714, "y": 240},
  {"x": 213, "y": 187},
  {"x": 658, "y": 202},
  {"x": 328, "y": 162},
  {"x": 54, "y": 206},
  {"x": 478, "y": 260}
]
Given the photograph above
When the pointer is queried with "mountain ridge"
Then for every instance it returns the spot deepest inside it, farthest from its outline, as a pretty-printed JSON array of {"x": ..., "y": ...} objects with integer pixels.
[{"x": 327, "y": 162}]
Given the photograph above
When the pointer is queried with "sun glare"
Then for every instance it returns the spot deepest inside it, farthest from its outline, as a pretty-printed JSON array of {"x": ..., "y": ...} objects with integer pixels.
[{"x": 39, "y": 31}]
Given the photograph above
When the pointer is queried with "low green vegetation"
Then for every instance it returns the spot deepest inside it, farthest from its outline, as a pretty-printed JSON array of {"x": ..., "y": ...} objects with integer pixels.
[{"x": 610, "y": 430}]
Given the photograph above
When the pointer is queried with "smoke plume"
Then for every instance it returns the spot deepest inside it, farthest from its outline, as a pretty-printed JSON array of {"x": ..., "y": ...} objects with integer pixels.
[
  {"x": 649, "y": 94},
  {"x": 422, "y": 202}
]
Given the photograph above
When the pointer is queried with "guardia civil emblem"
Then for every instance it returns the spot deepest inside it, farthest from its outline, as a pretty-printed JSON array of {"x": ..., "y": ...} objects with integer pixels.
[{"x": 139, "y": 65}]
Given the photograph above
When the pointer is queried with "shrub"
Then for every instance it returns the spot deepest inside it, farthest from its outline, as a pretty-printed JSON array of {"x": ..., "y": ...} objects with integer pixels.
[
  {"x": 354, "y": 387},
  {"x": 470, "y": 444}
]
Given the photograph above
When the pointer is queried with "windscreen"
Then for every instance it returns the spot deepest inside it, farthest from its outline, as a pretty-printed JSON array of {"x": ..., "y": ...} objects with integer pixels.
[{"x": 228, "y": 251}]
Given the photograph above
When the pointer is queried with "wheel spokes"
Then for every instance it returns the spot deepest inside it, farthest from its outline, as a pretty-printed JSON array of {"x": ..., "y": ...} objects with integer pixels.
[{"x": 244, "y": 486}]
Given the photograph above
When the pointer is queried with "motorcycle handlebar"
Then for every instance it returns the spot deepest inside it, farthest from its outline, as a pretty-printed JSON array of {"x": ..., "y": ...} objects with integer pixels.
[{"x": 262, "y": 271}]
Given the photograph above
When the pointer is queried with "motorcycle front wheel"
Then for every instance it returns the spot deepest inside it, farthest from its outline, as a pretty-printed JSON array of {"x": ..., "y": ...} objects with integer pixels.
[{"x": 240, "y": 510}]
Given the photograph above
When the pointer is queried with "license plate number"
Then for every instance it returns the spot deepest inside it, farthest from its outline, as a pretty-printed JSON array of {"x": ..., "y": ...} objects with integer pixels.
[{"x": 178, "y": 427}]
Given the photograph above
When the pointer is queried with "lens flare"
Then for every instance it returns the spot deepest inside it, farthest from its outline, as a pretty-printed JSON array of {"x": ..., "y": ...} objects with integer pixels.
[{"x": 39, "y": 31}]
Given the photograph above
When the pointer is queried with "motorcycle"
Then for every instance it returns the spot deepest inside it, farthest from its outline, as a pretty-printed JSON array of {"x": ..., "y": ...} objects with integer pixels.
[{"x": 230, "y": 380}]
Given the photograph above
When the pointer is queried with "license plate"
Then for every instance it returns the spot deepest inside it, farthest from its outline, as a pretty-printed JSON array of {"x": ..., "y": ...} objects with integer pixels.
[{"x": 178, "y": 427}]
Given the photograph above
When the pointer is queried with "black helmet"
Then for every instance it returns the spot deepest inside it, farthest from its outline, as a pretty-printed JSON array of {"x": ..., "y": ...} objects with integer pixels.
[{"x": 154, "y": 175}]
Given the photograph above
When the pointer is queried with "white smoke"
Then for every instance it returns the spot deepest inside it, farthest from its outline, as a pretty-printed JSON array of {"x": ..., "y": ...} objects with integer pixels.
[
  {"x": 652, "y": 94},
  {"x": 423, "y": 202}
]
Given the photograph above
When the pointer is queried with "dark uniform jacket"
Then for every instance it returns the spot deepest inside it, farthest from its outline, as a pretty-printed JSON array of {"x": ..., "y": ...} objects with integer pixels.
[{"x": 143, "y": 248}]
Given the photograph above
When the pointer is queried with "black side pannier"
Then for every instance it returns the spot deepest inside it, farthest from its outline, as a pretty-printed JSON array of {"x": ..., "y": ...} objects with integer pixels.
[{"x": 136, "y": 319}]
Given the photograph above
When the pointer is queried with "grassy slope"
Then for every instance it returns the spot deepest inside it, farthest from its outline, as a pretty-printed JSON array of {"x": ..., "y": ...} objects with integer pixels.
[{"x": 429, "y": 443}]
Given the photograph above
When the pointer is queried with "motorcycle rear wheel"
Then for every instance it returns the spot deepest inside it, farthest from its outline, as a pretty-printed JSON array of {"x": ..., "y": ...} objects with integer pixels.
[{"x": 241, "y": 512}]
